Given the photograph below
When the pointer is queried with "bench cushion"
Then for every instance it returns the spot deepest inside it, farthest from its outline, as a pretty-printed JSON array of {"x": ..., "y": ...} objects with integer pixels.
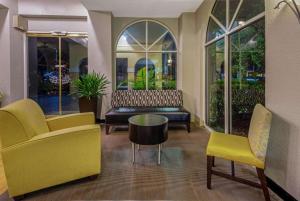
[{"x": 122, "y": 114}]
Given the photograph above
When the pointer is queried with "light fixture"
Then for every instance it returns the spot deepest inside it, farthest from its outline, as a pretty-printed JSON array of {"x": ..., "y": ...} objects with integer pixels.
[
  {"x": 241, "y": 22},
  {"x": 293, "y": 4}
]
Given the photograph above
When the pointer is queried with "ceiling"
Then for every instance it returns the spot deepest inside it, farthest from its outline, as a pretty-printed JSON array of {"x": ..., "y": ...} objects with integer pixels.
[{"x": 143, "y": 8}]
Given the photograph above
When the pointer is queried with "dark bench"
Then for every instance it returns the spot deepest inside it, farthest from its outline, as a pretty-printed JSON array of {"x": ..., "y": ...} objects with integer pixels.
[{"x": 127, "y": 103}]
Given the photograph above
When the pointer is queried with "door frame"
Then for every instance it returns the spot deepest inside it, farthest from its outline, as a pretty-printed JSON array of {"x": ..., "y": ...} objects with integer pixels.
[{"x": 59, "y": 36}]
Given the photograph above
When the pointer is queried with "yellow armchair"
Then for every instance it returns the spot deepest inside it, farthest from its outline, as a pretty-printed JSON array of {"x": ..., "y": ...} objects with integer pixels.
[
  {"x": 39, "y": 152},
  {"x": 249, "y": 150}
]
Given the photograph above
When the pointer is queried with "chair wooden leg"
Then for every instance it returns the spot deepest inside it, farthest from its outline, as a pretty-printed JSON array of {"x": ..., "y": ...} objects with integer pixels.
[
  {"x": 209, "y": 170},
  {"x": 232, "y": 169},
  {"x": 19, "y": 198},
  {"x": 93, "y": 177},
  {"x": 213, "y": 162},
  {"x": 263, "y": 182}
]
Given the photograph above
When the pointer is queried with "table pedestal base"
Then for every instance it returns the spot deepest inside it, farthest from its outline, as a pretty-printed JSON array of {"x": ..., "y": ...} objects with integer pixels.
[{"x": 159, "y": 152}]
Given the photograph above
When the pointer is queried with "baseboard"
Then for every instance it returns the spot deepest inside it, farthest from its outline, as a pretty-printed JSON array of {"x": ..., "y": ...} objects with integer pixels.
[{"x": 278, "y": 190}]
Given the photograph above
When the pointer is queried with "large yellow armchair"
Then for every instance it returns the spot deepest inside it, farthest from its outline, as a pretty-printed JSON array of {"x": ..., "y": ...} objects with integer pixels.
[{"x": 39, "y": 152}]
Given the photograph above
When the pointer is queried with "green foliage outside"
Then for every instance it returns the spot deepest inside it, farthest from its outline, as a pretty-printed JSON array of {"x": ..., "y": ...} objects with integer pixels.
[
  {"x": 91, "y": 85},
  {"x": 247, "y": 77},
  {"x": 169, "y": 84},
  {"x": 140, "y": 79}
]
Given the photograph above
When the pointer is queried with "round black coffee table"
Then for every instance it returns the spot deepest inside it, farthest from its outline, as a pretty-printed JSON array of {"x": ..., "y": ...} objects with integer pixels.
[{"x": 148, "y": 129}]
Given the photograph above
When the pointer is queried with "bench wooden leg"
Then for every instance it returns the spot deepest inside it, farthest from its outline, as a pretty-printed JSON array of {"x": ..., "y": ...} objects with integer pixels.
[
  {"x": 107, "y": 129},
  {"x": 263, "y": 182},
  {"x": 188, "y": 127}
]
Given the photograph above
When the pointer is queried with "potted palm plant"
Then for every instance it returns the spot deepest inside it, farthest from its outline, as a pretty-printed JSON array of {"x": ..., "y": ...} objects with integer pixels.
[{"x": 90, "y": 88}]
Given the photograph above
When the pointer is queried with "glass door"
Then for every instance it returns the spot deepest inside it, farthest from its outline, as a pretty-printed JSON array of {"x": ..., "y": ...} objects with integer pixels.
[
  {"x": 43, "y": 72},
  {"x": 54, "y": 62}
]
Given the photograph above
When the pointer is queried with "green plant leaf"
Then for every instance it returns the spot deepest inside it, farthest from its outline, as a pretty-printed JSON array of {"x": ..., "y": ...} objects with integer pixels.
[{"x": 91, "y": 85}]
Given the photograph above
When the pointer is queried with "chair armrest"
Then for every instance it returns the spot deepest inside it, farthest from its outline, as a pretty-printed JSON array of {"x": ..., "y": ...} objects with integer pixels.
[
  {"x": 52, "y": 158},
  {"x": 71, "y": 120}
]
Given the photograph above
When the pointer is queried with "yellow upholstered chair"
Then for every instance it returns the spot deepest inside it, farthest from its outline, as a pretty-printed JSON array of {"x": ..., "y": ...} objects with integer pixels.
[
  {"x": 250, "y": 151},
  {"x": 39, "y": 152}
]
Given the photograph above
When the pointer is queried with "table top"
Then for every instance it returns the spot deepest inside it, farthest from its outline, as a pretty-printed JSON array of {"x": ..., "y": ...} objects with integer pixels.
[{"x": 148, "y": 120}]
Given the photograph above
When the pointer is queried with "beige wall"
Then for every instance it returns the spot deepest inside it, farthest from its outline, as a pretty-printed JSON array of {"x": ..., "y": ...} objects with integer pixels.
[
  {"x": 5, "y": 53},
  {"x": 12, "y": 54},
  {"x": 188, "y": 71},
  {"x": 283, "y": 96},
  {"x": 100, "y": 48}
]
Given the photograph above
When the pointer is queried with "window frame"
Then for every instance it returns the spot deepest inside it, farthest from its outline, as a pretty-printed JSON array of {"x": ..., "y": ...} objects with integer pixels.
[
  {"x": 146, "y": 51},
  {"x": 228, "y": 31}
]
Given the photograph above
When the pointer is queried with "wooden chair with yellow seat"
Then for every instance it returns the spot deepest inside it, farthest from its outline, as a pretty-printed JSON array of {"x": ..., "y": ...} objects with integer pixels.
[
  {"x": 249, "y": 150},
  {"x": 38, "y": 152}
]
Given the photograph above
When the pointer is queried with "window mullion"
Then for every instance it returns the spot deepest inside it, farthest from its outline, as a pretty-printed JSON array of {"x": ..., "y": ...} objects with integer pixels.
[
  {"x": 147, "y": 56},
  {"x": 218, "y": 22},
  {"x": 235, "y": 14},
  {"x": 157, "y": 40},
  {"x": 135, "y": 40}
]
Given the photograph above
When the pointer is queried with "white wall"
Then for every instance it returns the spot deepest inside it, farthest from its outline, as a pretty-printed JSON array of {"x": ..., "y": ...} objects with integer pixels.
[
  {"x": 283, "y": 96},
  {"x": 54, "y": 24},
  {"x": 52, "y": 7}
]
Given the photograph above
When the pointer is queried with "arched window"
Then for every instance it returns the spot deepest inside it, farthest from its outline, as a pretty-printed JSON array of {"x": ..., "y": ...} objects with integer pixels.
[
  {"x": 146, "y": 57},
  {"x": 235, "y": 64}
]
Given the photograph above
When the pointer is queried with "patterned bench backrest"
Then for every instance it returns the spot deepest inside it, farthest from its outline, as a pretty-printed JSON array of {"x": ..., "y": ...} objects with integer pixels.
[{"x": 147, "y": 98}]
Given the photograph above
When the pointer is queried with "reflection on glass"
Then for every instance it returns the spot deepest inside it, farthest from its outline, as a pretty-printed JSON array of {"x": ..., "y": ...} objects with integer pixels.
[
  {"x": 215, "y": 83},
  {"x": 162, "y": 71},
  {"x": 166, "y": 43},
  {"x": 248, "y": 10},
  {"x": 138, "y": 31},
  {"x": 44, "y": 72},
  {"x": 247, "y": 74},
  {"x": 43, "y": 85},
  {"x": 155, "y": 31},
  {"x": 131, "y": 71},
  {"x": 128, "y": 43},
  {"x": 219, "y": 11},
  {"x": 74, "y": 60},
  {"x": 213, "y": 31}
]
